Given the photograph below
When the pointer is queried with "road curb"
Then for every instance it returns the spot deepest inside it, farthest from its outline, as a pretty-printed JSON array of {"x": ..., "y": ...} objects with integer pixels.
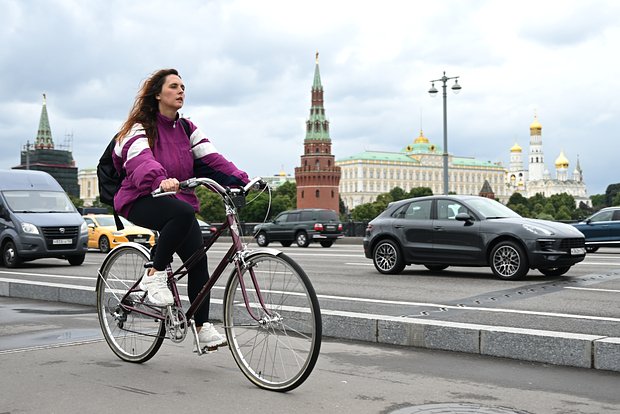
[{"x": 557, "y": 348}]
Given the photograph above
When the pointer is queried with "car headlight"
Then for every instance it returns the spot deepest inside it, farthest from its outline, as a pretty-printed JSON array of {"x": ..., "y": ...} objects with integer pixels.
[
  {"x": 30, "y": 228},
  {"x": 84, "y": 228},
  {"x": 540, "y": 231}
]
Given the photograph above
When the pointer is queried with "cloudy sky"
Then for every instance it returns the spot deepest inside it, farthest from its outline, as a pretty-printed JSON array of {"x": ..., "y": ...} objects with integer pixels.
[{"x": 248, "y": 68}]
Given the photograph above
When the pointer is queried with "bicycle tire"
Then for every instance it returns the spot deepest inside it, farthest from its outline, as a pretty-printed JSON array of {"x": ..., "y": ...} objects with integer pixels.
[
  {"x": 280, "y": 354},
  {"x": 132, "y": 336}
]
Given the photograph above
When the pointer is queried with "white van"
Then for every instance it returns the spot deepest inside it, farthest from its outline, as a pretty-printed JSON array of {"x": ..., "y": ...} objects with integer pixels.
[{"x": 38, "y": 220}]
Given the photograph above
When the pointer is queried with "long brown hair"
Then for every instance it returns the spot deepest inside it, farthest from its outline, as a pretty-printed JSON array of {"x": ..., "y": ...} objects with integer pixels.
[{"x": 146, "y": 106}]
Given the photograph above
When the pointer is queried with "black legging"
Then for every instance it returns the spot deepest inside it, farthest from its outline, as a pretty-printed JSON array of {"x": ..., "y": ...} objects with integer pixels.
[{"x": 178, "y": 232}]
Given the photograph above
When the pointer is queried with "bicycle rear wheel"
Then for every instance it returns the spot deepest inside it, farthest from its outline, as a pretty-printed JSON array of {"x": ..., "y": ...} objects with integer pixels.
[
  {"x": 279, "y": 351},
  {"x": 132, "y": 336}
]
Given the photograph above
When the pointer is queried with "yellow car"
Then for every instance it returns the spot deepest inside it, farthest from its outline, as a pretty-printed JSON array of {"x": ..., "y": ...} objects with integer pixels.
[{"x": 103, "y": 235}]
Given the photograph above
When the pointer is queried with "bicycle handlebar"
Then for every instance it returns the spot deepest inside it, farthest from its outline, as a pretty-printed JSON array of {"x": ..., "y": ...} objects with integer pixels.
[{"x": 256, "y": 182}]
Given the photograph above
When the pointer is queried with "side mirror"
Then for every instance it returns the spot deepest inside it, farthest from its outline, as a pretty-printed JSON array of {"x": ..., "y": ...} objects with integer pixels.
[
  {"x": 588, "y": 221},
  {"x": 463, "y": 217},
  {"x": 4, "y": 213}
]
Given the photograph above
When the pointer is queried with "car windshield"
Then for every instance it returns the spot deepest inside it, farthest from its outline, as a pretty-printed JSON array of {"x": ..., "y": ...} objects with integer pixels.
[
  {"x": 491, "y": 209},
  {"x": 39, "y": 202},
  {"x": 109, "y": 221}
]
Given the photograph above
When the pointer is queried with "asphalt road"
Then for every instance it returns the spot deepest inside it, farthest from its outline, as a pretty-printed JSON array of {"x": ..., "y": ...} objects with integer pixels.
[
  {"x": 585, "y": 300},
  {"x": 53, "y": 361}
]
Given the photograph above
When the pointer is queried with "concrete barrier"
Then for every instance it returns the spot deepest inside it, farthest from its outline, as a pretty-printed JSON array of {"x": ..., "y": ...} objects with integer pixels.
[{"x": 558, "y": 348}]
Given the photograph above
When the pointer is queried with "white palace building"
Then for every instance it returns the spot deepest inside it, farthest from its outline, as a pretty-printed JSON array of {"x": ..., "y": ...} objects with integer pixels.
[{"x": 370, "y": 173}]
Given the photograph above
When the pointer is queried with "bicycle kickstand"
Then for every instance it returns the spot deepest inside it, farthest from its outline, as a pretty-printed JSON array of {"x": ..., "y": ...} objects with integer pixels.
[{"x": 195, "y": 335}]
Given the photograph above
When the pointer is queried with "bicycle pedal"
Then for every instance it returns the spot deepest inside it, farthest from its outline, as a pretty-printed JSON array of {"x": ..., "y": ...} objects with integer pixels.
[{"x": 207, "y": 350}]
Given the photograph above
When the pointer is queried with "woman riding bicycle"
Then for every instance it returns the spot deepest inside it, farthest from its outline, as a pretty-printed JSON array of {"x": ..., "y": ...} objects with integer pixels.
[{"x": 155, "y": 151}]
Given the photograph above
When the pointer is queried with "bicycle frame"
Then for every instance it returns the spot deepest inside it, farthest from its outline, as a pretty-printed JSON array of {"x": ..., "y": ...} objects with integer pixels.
[{"x": 235, "y": 254}]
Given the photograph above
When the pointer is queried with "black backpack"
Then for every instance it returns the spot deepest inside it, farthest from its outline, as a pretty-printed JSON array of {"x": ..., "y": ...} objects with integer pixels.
[{"x": 110, "y": 180}]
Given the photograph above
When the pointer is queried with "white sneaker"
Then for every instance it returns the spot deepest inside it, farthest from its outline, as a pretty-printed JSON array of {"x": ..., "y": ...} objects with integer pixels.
[
  {"x": 156, "y": 287},
  {"x": 210, "y": 338}
]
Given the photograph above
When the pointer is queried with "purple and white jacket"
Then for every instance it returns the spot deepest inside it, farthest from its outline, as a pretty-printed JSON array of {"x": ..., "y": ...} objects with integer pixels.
[{"x": 173, "y": 156}]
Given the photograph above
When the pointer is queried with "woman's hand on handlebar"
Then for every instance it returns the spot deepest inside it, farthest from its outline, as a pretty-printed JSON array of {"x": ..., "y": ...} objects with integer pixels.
[{"x": 169, "y": 185}]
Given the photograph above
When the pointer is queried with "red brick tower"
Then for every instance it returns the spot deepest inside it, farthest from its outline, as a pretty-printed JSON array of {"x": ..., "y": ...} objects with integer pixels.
[{"x": 318, "y": 177}]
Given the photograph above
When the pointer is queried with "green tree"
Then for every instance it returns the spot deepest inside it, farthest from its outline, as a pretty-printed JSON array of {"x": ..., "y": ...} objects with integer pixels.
[
  {"x": 398, "y": 193},
  {"x": 211, "y": 206},
  {"x": 420, "y": 192},
  {"x": 537, "y": 208},
  {"x": 77, "y": 202},
  {"x": 519, "y": 204},
  {"x": 548, "y": 211},
  {"x": 598, "y": 201},
  {"x": 563, "y": 199},
  {"x": 521, "y": 210},
  {"x": 289, "y": 190},
  {"x": 364, "y": 212},
  {"x": 616, "y": 200},
  {"x": 563, "y": 213},
  {"x": 610, "y": 193}
]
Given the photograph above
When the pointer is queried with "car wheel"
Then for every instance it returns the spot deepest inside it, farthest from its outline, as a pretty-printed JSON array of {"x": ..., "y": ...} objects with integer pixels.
[
  {"x": 302, "y": 239},
  {"x": 327, "y": 243},
  {"x": 509, "y": 261},
  {"x": 436, "y": 268},
  {"x": 76, "y": 260},
  {"x": 10, "y": 256},
  {"x": 554, "y": 271},
  {"x": 590, "y": 249},
  {"x": 286, "y": 243},
  {"x": 104, "y": 244},
  {"x": 387, "y": 258},
  {"x": 261, "y": 239}
]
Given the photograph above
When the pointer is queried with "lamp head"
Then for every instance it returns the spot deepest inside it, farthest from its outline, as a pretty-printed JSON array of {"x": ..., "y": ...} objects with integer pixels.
[
  {"x": 433, "y": 90},
  {"x": 456, "y": 87}
]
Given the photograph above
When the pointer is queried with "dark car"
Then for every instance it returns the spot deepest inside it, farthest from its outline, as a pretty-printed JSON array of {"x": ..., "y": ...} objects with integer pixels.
[
  {"x": 302, "y": 226},
  {"x": 602, "y": 229},
  {"x": 206, "y": 229},
  {"x": 442, "y": 231}
]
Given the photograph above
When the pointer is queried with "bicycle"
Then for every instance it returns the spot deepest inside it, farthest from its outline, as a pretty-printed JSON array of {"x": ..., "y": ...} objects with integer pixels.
[{"x": 271, "y": 313}]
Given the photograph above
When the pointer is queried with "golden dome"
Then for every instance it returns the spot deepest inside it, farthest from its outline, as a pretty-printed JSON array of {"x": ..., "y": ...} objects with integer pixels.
[
  {"x": 535, "y": 125},
  {"x": 421, "y": 139},
  {"x": 561, "y": 161},
  {"x": 516, "y": 148}
]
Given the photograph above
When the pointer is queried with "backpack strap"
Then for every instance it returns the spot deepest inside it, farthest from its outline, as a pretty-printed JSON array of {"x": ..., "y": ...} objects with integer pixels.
[
  {"x": 117, "y": 220},
  {"x": 185, "y": 126}
]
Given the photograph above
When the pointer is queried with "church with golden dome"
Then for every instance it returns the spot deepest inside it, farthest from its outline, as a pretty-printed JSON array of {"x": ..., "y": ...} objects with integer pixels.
[{"x": 536, "y": 178}]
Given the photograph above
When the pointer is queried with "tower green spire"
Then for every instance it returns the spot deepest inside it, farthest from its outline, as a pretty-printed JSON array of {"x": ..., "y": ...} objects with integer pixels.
[
  {"x": 317, "y": 126},
  {"x": 44, "y": 133}
]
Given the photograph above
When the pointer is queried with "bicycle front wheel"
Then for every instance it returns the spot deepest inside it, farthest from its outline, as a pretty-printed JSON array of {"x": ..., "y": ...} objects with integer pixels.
[
  {"x": 133, "y": 336},
  {"x": 279, "y": 350}
]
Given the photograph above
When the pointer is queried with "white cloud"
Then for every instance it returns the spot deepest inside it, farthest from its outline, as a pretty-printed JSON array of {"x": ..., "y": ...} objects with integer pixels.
[{"x": 248, "y": 67}]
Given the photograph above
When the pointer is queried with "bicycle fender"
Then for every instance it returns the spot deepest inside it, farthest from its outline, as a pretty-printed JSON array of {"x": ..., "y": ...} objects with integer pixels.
[
  {"x": 263, "y": 250},
  {"x": 136, "y": 246}
]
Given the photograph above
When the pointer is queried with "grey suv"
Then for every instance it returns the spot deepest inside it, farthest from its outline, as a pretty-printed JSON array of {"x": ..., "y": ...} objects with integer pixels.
[{"x": 301, "y": 226}]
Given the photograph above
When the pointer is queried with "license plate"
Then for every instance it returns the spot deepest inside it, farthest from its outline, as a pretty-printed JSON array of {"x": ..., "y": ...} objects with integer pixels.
[
  {"x": 140, "y": 240},
  {"x": 576, "y": 251},
  {"x": 62, "y": 241},
  {"x": 331, "y": 227}
]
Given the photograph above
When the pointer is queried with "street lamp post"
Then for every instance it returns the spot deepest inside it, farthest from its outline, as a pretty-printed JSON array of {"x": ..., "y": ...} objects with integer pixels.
[{"x": 433, "y": 91}]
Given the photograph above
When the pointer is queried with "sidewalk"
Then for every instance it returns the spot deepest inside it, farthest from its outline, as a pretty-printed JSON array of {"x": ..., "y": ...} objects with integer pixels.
[{"x": 546, "y": 346}]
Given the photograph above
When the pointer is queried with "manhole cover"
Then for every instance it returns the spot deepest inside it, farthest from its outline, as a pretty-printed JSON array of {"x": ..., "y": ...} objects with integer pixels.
[{"x": 458, "y": 408}]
